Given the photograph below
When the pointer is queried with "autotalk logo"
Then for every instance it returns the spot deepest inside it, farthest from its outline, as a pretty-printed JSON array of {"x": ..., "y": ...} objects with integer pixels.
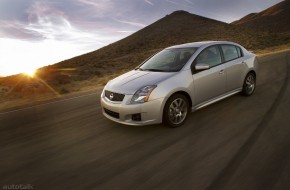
[
  {"x": 111, "y": 96},
  {"x": 18, "y": 186}
]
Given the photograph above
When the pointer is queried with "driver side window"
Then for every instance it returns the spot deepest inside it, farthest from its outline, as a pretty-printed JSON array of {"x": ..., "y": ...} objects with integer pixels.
[{"x": 210, "y": 56}]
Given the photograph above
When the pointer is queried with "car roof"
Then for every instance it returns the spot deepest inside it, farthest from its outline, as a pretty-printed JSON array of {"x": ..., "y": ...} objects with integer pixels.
[{"x": 200, "y": 44}]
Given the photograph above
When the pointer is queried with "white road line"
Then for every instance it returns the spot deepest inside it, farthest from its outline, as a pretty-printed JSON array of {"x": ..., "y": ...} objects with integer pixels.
[{"x": 48, "y": 103}]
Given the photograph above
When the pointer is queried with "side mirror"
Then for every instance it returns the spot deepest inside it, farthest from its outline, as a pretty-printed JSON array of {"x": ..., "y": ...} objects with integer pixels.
[{"x": 201, "y": 66}]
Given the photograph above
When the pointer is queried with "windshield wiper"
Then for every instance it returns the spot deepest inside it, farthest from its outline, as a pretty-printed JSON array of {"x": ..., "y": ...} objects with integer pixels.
[{"x": 154, "y": 70}]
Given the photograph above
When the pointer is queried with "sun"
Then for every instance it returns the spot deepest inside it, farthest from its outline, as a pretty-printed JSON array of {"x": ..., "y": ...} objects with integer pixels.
[{"x": 30, "y": 72}]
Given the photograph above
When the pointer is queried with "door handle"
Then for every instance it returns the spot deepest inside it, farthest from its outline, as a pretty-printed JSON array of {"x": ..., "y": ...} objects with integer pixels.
[{"x": 221, "y": 72}]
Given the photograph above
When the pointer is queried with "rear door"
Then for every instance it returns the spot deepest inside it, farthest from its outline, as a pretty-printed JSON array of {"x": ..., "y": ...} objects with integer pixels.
[
  {"x": 212, "y": 82},
  {"x": 234, "y": 66}
]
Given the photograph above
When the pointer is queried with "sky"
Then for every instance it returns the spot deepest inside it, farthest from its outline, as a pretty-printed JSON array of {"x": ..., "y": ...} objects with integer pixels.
[{"x": 35, "y": 33}]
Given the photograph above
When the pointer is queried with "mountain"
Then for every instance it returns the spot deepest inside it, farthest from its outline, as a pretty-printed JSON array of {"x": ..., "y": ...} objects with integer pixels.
[
  {"x": 273, "y": 19},
  {"x": 175, "y": 28}
]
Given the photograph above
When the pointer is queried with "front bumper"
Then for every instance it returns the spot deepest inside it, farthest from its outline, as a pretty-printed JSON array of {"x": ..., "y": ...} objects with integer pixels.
[{"x": 121, "y": 112}]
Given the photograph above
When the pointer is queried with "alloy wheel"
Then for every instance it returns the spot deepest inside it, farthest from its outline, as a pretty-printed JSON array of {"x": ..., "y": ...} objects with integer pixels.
[
  {"x": 250, "y": 84},
  {"x": 177, "y": 111}
]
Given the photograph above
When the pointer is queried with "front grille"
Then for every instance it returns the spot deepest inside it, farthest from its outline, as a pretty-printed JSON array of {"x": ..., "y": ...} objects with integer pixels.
[
  {"x": 116, "y": 97},
  {"x": 111, "y": 113}
]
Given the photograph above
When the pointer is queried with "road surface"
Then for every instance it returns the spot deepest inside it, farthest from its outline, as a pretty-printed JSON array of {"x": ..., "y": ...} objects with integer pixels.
[{"x": 239, "y": 143}]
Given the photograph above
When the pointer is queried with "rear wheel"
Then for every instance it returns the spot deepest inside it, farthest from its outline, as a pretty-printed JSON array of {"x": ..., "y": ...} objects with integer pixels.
[
  {"x": 176, "y": 110},
  {"x": 249, "y": 84}
]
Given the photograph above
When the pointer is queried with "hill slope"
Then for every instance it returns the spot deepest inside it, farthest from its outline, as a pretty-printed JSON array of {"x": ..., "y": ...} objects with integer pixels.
[
  {"x": 176, "y": 28},
  {"x": 275, "y": 18}
]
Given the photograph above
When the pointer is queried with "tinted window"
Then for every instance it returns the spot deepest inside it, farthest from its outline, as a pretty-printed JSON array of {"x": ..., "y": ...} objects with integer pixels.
[
  {"x": 230, "y": 52},
  {"x": 210, "y": 56},
  {"x": 168, "y": 60},
  {"x": 239, "y": 51}
]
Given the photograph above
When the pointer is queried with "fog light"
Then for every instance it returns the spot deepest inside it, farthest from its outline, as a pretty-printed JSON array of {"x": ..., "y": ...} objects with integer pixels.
[{"x": 136, "y": 117}]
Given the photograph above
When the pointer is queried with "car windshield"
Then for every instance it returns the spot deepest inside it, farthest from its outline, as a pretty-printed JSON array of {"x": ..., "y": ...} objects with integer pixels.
[{"x": 168, "y": 60}]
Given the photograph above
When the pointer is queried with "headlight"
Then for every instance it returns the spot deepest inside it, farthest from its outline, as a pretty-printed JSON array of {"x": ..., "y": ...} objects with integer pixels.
[
  {"x": 103, "y": 91},
  {"x": 142, "y": 95}
]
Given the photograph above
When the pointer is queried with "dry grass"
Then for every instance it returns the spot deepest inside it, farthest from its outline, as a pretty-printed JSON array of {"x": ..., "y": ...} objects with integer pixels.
[
  {"x": 268, "y": 50},
  {"x": 25, "y": 93},
  {"x": 18, "y": 102}
]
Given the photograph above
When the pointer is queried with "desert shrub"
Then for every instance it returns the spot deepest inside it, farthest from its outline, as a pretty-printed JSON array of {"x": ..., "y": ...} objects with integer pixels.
[{"x": 63, "y": 90}]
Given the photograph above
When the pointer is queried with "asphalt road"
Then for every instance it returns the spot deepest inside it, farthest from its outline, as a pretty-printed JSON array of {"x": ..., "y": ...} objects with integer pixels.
[{"x": 238, "y": 143}]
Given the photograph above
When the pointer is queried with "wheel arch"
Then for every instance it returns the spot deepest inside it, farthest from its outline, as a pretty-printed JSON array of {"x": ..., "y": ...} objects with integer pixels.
[
  {"x": 252, "y": 71},
  {"x": 245, "y": 75},
  {"x": 186, "y": 94},
  {"x": 243, "y": 92}
]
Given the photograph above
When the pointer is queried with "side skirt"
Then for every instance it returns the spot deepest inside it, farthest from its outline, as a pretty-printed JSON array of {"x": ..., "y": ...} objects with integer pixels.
[{"x": 211, "y": 101}]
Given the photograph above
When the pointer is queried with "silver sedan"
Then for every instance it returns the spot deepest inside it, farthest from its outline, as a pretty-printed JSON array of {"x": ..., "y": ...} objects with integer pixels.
[{"x": 177, "y": 80}]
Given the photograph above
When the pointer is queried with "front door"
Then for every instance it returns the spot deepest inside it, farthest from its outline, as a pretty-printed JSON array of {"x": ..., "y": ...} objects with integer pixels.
[{"x": 209, "y": 83}]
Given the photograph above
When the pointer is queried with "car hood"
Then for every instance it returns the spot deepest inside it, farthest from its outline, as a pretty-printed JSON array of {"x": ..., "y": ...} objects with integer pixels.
[{"x": 132, "y": 81}]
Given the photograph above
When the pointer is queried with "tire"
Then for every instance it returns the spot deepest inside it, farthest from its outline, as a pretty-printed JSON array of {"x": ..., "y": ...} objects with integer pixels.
[
  {"x": 176, "y": 110},
  {"x": 249, "y": 85}
]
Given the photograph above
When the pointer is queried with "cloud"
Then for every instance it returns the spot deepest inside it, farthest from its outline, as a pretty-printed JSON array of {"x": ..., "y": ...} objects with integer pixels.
[
  {"x": 140, "y": 25},
  {"x": 98, "y": 8},
  {"x": 180, "y": 4},
  {"x": 60, "y": 29},
  {"x": 17, "y": 30},
  {"x": 173, "y": 2},
  {"x": 190, "y": 2},
  {"x": 126, "y": 31},
  {"x": 40, "y": 19},
  {"x": 149, "y": 2}
]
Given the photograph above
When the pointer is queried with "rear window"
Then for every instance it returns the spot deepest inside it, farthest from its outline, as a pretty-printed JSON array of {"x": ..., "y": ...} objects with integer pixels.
[
  {"x": 240, "y": 52},
  {"x": 230, "y": 52}
]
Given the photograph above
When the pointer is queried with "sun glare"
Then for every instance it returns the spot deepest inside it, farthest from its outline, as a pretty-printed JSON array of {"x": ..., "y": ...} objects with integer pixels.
[
  {"x": 29, "y": 72},
  {"x": 14, "y": 59}
]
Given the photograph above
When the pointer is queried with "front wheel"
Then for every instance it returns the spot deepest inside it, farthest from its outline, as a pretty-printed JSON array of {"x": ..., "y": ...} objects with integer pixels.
[
  {"x": 249, "y": 84},
  {"x": 176, "y": 110}
]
